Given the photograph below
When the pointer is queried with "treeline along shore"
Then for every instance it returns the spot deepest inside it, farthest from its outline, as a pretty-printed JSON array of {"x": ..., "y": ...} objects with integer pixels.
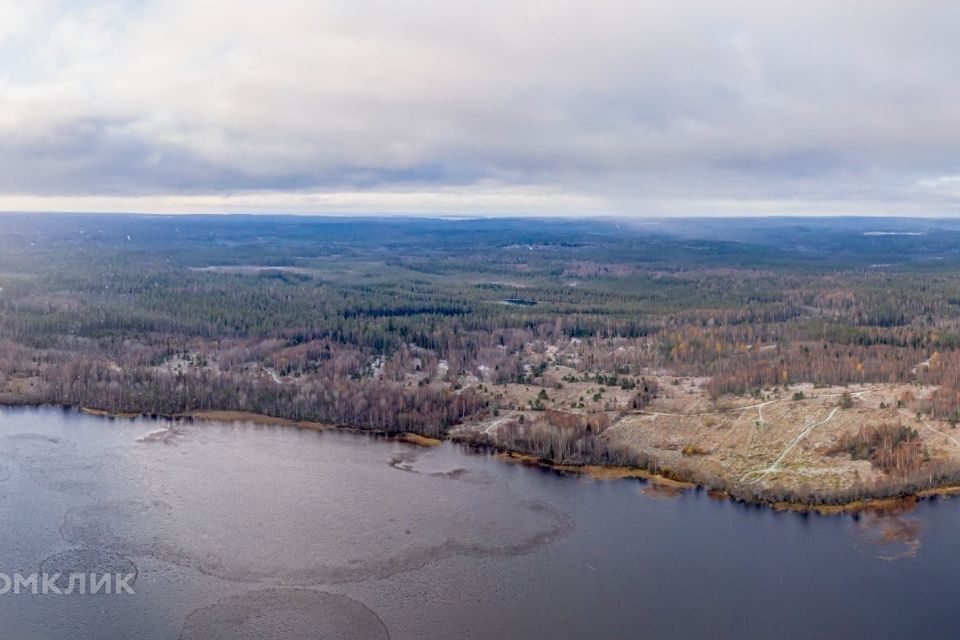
[{"x": 744, "y": 358}]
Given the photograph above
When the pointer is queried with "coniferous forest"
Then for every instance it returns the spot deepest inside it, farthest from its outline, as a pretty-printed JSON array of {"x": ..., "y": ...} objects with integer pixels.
[{"x": 553, "y": 330}]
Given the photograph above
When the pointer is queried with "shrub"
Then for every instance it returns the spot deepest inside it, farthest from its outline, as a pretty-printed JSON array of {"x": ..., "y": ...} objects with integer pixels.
[{"x": 693, "y": 450}]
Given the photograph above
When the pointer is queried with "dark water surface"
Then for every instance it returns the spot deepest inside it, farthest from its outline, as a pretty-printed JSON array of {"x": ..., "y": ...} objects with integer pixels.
[{"x": 241, "y": 531}]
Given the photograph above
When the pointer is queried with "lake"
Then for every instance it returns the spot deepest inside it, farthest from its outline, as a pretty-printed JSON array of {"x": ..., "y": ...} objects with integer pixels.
[{"x": 245, "y": 531}]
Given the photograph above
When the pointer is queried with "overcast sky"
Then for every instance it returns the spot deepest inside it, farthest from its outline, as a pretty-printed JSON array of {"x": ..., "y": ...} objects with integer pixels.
[{"x": 492, "y": 106}]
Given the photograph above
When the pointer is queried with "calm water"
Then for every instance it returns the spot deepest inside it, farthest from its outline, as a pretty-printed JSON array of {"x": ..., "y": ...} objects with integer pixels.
[{"x": 240, "y": 531}]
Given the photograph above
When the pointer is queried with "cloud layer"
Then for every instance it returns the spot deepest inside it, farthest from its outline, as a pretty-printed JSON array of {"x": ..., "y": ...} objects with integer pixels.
[{"x": 520, "y": 106}]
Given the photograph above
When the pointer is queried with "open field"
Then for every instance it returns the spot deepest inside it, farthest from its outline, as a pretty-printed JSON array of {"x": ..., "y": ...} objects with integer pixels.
[{"x": 776, "y": 444}]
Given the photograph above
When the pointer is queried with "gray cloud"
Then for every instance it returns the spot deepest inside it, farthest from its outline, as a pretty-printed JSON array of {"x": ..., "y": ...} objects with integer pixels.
[{"x": 626, "y": 107}]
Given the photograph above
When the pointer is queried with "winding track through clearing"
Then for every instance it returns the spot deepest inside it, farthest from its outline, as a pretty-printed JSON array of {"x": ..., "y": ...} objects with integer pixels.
[
  {"x": 926, "y": 425},
  {"x": 775, "y": 465}
]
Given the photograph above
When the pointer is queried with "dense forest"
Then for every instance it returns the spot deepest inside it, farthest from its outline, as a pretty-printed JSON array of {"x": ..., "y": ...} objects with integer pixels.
[{"x": 412, "y": 325}]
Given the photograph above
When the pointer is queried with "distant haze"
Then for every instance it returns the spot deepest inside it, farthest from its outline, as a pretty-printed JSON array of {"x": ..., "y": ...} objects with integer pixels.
[{"x": 549, "y": 107}]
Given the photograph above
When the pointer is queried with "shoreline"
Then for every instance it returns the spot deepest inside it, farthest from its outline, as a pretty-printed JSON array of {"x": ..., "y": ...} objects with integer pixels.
[
  {"x": 209, "y": 416},
  {"x": 593, "y": 471},
  {"x": 879, "y": 504},
  {"x": 886, "y": 505}
]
